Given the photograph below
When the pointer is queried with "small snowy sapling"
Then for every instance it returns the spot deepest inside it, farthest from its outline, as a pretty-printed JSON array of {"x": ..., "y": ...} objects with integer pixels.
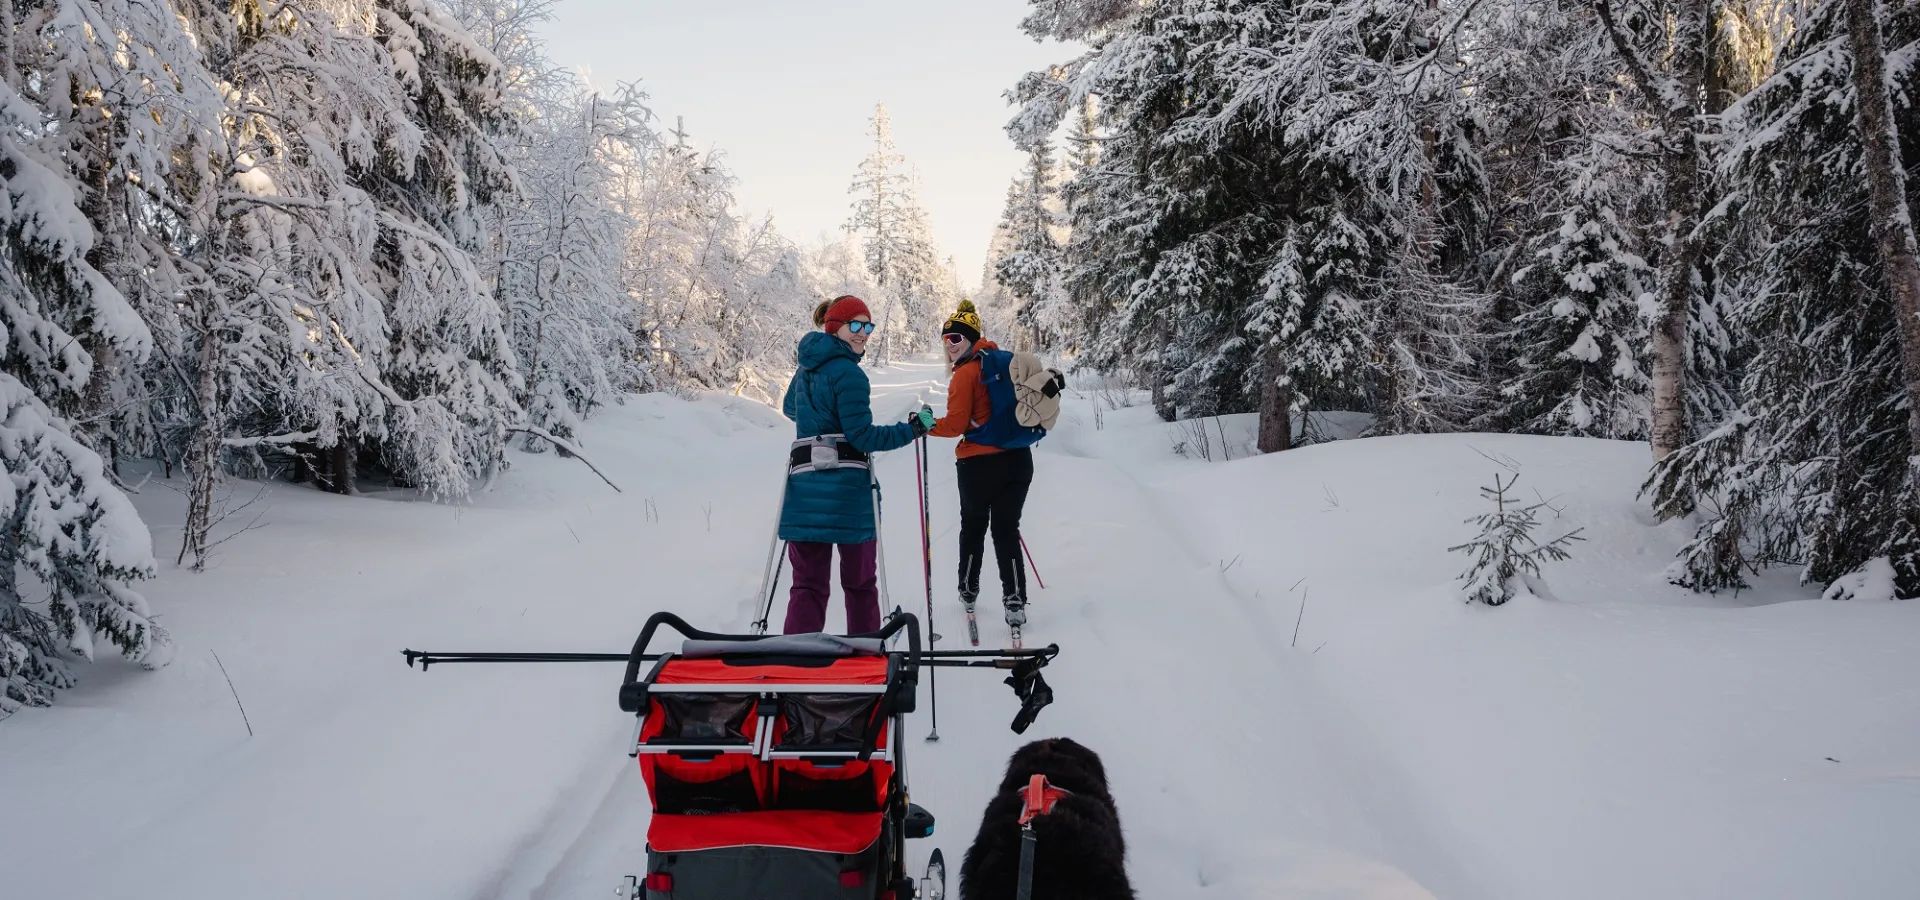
[{"x": 1505, "y": 555}]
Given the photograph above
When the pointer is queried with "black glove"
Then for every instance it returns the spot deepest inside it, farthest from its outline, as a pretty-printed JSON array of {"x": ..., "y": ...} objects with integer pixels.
[
  {"x": 1054, "y": 385},
  {"x": 1032, "y": 690},
  {"x": 921, "y": 422}
]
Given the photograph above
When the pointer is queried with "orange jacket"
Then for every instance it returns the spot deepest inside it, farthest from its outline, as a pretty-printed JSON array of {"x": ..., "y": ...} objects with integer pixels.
[{"x": 967, "y": 404}]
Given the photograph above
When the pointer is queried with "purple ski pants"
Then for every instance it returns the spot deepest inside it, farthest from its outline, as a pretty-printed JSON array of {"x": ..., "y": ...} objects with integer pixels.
[{"x": 812, "y": 579}]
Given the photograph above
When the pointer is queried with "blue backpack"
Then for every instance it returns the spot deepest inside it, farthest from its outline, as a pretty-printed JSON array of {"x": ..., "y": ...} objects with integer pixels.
[{"x": 1002, "y": 428}]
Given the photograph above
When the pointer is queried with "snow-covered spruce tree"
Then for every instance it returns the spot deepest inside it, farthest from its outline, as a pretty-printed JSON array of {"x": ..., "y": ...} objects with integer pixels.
[
  {"x": 70, "y": 543},
  {"x": 71, "y": 546},
  {"x": 1304, "y": 204},
  {"x": 335, "y": 304},
  {"x": 1579, "y": 362},
  {"x": 882, "y": 213},
  {"x": 1377, "y": 90},
  {"x": 924, "y": 287},
  {"x": 1178, "y": 222},
  {"x": 1572, "y": 220},
  {"x": 914, "y": 285},
  {"x": 1505, "y": 556},
  {"x": 1101, "y": 261},
  {"x": 1029, "y": 268},
  {"x": 123, "y": 93},
  {"x": 281, "y": 309},
  {"x": 451, "y": 374},
  {"x": 285, "y": 325},
  {"x": 1813, "y": 469}
]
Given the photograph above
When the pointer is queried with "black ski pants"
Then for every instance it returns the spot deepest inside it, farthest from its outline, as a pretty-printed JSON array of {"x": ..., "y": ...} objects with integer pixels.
[{"x": 993, "y": 489}]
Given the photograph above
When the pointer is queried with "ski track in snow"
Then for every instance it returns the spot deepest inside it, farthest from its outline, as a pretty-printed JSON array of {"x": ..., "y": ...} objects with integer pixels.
[
  {"x": 1213, "y": 783},
  {"x": 1633, "y": 740}
]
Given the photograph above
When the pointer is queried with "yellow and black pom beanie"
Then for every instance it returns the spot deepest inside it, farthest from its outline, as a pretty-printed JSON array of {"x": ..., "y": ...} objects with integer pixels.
[{"x": 965, "y": 322}]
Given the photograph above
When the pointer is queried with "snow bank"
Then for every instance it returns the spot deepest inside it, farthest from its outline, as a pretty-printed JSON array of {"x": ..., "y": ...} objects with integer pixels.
[{"x": 1626, "y": 738}]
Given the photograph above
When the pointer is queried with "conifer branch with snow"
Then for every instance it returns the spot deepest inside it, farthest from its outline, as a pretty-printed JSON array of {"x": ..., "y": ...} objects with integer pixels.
[{"x": 1504, "y": 557}]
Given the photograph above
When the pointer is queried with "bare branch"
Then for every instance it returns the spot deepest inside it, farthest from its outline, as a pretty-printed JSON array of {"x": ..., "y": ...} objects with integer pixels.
[
  {"x": 563, "y": 444},
  {"x": 297, "y": 437},
  {"x": 1642, "y": 74}
]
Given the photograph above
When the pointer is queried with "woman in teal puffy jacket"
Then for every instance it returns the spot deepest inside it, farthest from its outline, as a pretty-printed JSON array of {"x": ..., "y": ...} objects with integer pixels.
[{"x": 834, "y": 504}]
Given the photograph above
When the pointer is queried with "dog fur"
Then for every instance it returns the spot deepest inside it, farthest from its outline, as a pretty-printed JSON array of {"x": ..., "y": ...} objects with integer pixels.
[{"x": 1080, "y": 853}]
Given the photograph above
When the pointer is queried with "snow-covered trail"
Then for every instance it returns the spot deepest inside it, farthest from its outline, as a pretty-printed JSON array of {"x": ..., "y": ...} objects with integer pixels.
[
  {"x": 1229, "y": 783},
  {"x": 362, "y": 778},
  {"x": 1626, "y": 740}
]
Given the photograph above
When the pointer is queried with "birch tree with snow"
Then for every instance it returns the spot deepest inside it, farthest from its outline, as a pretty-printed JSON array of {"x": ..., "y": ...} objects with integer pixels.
[
  {"x": 559, "y": 281},
  {"x": 1662, "y": 45},
  {"x": 1813, "y": 469}
]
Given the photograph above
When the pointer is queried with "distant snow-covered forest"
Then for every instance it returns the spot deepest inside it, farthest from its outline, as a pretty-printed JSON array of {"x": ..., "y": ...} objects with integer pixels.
[{"x": 338, "y": 240}]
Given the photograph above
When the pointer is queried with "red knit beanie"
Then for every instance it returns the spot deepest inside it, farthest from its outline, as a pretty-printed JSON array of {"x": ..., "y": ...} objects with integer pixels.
[{"x": 844, "y": 310}]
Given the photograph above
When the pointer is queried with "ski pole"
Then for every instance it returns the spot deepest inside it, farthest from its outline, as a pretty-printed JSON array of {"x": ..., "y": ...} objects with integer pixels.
[
  {"x": 1030, "y": 565},
  {"x": 879, "y": 539},
  {"x": 920, "y": 456},
  {"x": 773, "y": 587},
  {"x": 770, "y": 574}
]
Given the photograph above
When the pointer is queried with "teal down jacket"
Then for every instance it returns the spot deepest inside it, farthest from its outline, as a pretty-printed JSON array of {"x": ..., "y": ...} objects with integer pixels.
[{"x": 830, "y": 395}]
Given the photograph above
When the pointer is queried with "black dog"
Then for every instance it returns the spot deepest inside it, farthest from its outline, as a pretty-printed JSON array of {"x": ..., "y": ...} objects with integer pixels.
[{"x": 1080, "y": 854}]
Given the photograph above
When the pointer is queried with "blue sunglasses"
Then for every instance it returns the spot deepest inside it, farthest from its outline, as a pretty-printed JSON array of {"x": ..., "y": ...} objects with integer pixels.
[{"x": 860, "y": 327}]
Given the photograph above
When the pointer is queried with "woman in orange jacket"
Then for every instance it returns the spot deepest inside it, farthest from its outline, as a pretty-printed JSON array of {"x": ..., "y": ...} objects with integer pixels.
[{"x": 993, "y": 482}]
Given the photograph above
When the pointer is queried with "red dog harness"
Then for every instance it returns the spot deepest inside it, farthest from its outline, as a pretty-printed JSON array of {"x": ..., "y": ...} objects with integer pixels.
[{"x": 1039, "y": 798}]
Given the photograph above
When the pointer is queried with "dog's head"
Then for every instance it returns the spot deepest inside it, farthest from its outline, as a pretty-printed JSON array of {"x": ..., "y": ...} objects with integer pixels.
[{"x": 1065, "y": 762}]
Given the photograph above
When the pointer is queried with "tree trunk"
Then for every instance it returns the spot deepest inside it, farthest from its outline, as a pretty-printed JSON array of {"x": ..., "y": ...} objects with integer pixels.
[
  {"x": 341, "y": 476},
  {"x": 202, "y": 462},
  {"x": 1276, "y": 405},
  {"x": 303, "y": 455},
  {"x": 1887, "y": 197},
  {"x": 1162, "y": 406},
  {"x": 1682, "y": 248}
]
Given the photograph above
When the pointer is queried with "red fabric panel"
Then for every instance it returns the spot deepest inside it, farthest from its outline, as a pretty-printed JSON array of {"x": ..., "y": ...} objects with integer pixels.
[
  {"x": 851, "y": 670},
  {"x": 824, "y": 832}
]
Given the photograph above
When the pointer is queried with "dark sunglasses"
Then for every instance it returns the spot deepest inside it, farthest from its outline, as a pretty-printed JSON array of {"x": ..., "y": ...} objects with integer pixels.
[
  {"x": 860, "y": 327},
  {"x": 954, "y": 339}
]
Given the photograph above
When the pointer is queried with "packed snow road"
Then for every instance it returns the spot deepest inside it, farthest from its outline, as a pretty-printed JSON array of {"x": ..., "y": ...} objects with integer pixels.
[{"x": 1266, "y": 652}]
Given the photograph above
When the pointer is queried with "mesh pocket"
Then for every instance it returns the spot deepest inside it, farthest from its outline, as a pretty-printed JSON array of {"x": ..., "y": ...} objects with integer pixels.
[
  {"x": 826, "y": 720},
  {"x": 704, "y": 717},
  {"x": 723, "y": 785},
  {"x": 845, "y": 788}
]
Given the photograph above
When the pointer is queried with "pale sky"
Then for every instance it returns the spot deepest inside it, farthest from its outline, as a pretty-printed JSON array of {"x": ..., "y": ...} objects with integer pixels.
[{"x": 785, "y": 88}]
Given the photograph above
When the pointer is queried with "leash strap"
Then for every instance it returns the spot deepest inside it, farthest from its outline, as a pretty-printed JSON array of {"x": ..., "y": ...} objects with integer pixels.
[
  {"x": 1027, "y": 841},
  {"x": 1038, "y": 799}
]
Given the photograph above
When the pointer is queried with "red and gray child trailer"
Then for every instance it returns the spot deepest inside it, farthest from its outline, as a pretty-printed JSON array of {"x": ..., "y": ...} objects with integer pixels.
[{"x": 776, "y": 765}]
